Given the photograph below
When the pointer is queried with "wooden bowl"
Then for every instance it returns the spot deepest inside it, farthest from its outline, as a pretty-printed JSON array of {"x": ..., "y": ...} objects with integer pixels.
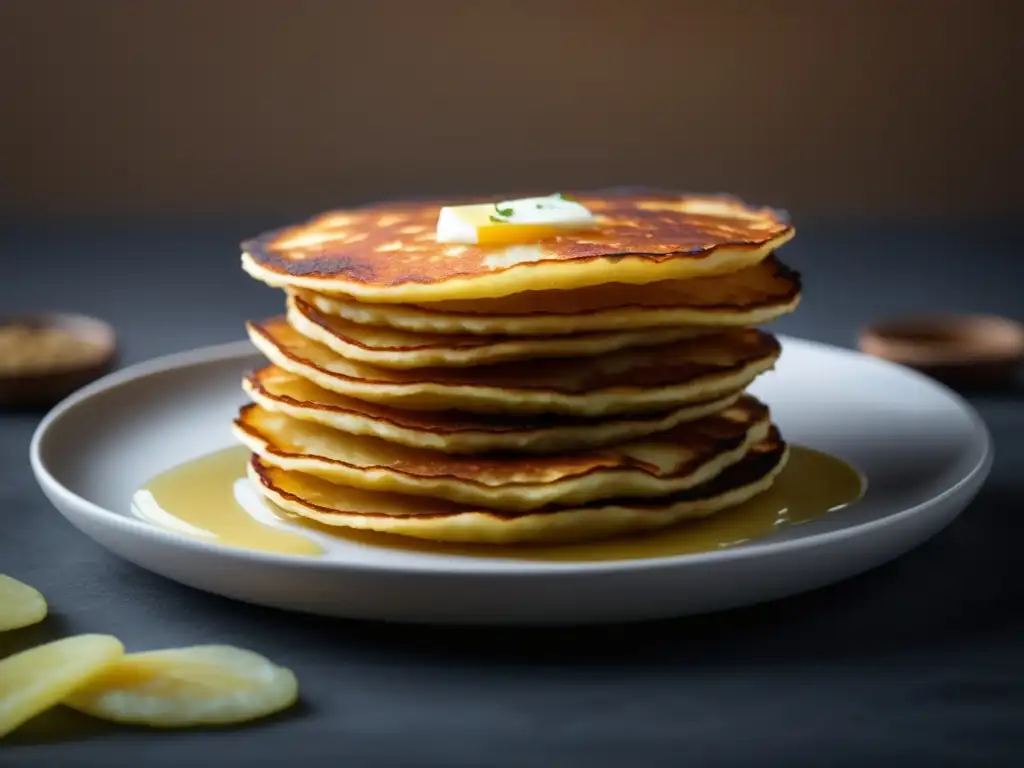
[
  {"x": 45, "y": 357},
  {"x": 966, "y": 351}
]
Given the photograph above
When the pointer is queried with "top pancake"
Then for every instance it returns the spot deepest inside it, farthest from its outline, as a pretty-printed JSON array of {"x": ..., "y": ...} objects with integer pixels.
[{"x": 388, "y": 252}]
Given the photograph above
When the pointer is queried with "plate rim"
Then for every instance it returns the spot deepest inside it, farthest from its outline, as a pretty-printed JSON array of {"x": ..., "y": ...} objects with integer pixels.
[{"x": 489, "y": 567}]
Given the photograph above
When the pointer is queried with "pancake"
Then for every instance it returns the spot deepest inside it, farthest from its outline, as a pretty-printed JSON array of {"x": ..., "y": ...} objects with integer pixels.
[
  {"x": 656, "y": 465},
  {"x": 389, "y": 253},
  {"x": 629, "y": 381},
  {"x": 755, "y": 295},
  {"x": 453, "y": 432},
  {"x": 389, "y": 348},
  {"x": 438, "y": 520}
]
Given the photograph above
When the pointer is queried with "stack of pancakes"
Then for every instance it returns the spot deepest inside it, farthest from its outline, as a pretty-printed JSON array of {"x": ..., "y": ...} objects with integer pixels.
[{"x": 587, "y": 385}]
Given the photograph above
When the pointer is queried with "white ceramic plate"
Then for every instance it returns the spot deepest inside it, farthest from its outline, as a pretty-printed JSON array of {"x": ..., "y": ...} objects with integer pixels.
[{"x": 924, "y": 451}]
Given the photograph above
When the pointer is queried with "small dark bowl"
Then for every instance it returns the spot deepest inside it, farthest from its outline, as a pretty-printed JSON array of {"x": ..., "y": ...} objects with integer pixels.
[
  {"x": 43, "y": 389},
  {"x": 964, "y": 351}
]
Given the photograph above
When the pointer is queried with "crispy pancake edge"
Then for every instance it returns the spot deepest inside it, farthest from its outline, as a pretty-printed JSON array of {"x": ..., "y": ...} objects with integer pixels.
[
  {"x": 761, "y": 461},
  {"x": 487, "y": 423},
  {"x": 772, "y": 350},
  {"x": 738, "y": 434}
]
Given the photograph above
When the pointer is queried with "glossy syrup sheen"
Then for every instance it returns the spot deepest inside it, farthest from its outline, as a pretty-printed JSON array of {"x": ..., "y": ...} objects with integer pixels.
[{"x": 200, "y": 498}]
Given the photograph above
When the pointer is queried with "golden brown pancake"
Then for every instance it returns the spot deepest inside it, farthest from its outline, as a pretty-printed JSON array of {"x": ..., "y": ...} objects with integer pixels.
[
  {"x": 440, "y": 520},
  {"x": 656, "y": 465},
  {"x": 629, "y": 381},
  {"x": 752, "y": 296},
  {"x": 389, "y": 252},
  {"x": 391, "y": 348},
  {"x": 278, "y": 390}
]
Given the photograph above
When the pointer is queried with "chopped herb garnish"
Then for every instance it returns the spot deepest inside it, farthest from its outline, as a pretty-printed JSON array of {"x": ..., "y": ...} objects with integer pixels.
[
  {"x": 504, "y": 212},
  {"x": 497, "y": 220}
]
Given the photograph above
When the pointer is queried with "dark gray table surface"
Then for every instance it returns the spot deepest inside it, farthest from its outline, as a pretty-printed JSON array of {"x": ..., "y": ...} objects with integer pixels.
[{"x": 920, "y": 661}]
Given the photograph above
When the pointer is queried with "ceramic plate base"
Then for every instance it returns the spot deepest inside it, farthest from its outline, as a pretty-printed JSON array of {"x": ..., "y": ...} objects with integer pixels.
[{"x": 923, "y": 450}]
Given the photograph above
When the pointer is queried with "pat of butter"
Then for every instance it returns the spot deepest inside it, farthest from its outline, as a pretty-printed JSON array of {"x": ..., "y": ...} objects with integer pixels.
[{"x": 512, "y": 221}]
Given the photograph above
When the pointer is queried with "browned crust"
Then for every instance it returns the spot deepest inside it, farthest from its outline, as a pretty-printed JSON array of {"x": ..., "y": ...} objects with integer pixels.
[
  {"x": 689, "y": 236},
  {"x": 758, "y": 463},
  {"x": 768, "y": 347},
  {"x": 717, "y": 435}
]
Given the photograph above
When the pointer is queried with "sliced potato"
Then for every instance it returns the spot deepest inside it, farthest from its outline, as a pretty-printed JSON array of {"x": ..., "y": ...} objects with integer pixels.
[
  {"x": 35, "y": 680},
  {"x": 20, "y": 604},
  {"x": 181, "y": 687}
]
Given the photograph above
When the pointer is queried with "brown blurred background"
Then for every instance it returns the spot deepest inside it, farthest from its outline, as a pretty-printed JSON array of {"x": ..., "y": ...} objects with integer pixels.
[{"x": 141, "y": 107}]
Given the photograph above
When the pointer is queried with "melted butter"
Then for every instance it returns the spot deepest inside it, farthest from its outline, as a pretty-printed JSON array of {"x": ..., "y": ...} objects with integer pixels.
[{"x": 204, "y": 498}]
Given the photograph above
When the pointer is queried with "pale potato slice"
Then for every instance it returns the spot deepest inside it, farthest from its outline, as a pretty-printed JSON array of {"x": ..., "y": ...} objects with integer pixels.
[
  {"x": 35, "y": 680},
  {"x": 20, "y": 604},
  {"x": 181, "y": 687}
]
